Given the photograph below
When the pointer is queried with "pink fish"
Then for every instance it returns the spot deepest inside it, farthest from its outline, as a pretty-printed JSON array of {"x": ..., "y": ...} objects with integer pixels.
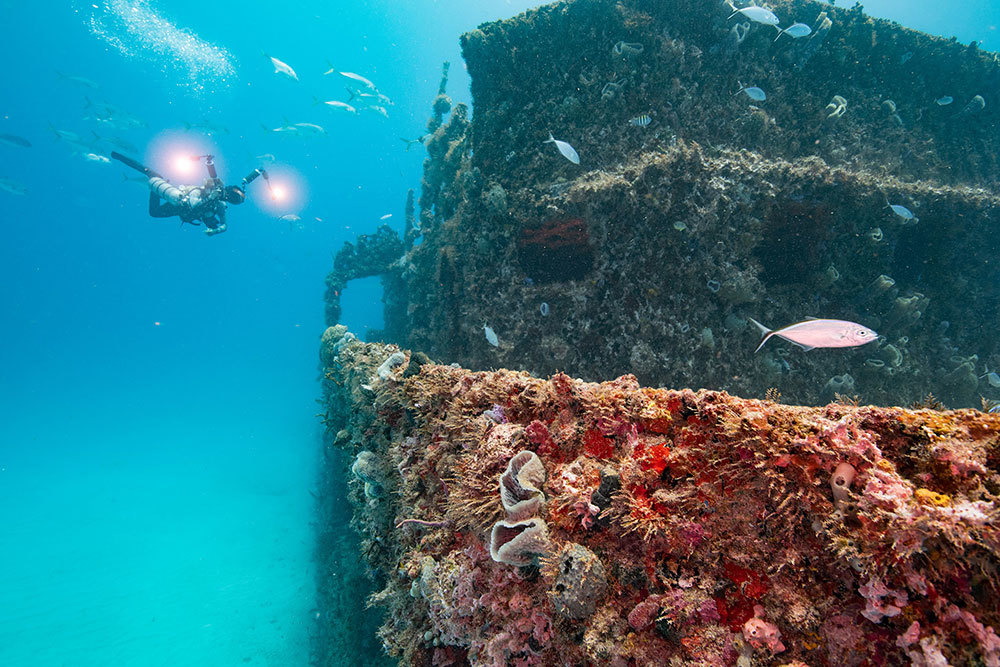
[{"x": 819, "y": 333}]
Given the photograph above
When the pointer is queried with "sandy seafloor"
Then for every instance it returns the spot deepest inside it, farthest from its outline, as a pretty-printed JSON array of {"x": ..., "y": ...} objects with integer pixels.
[{"x": 146, "y": 553}]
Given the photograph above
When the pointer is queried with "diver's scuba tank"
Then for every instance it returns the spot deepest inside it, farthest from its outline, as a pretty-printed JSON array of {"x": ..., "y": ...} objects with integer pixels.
[{"x": 165, "y": 190}]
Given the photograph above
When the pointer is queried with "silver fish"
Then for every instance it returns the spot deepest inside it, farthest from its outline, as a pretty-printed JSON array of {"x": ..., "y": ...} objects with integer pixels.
[
  {"x": 12, "y": 187},
  {"x": 205, "y": 126},
  {"x": 352, "y": 76},
  {"x": 902, "y": 212},
  {"x": 310, "y": 128},
  {"x": 117, "y": 142},
  {"x": 753, "y": 92},
  {"x": 374, "y": 99},
  {"x": 491, "y": 336},
  {"x": 66, "y": 135},
  {"x": 109, "y": 114},
  {"x": 343, "y": 106},
  {"x": 810, "y": 334},
  {"x": 282, "y": 68},
  {"x": 567, "y": 151},
  {"x": 379, "y": 110},
  {"x": 795, "y": 31},
  {"x": 411, "y": 142},
  {"x": 77, "y": 80},
  {"x": 757, "y": 15}
]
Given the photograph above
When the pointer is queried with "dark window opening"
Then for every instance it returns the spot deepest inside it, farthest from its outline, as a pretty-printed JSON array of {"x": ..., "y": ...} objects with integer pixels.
[{"x": 556, "y": 251}]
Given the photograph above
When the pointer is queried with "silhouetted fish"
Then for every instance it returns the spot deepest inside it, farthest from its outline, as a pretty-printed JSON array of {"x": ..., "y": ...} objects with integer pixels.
[{"x": 14, "y": 140}]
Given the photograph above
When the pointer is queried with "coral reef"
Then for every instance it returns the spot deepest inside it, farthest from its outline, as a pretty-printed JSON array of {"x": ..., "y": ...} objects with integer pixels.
[{"x": 679, "y": 527}]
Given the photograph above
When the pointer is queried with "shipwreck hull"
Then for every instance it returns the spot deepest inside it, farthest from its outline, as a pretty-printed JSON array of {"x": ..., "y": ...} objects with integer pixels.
[
  {"x": 653, "y": 253},
  {"x": 508, "y": 519},
  {"x": 655, "y": 526}
]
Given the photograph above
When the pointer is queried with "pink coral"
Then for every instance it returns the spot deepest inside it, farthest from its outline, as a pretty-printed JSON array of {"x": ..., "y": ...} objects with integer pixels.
[
  {"x": 887, "y": 490},
  {"x": 759, "y": 633},
  {"x": 844, "y": 435},
  {"x": 987, "y": 638},
  {"x": 910, "y": 637},
  {"x": 929, "y": 654},
  {"x": 644, "y": 613},
  {"x": 877, "y": 596},
  {"x": 587, "y": 511}
]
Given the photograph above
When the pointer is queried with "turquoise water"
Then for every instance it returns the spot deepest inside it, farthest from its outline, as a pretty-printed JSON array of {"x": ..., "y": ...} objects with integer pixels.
[{"x": 157, "y": 431}]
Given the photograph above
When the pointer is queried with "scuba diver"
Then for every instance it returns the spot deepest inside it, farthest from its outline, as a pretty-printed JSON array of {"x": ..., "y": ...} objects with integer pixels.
[{"x": 194, "y": 204}]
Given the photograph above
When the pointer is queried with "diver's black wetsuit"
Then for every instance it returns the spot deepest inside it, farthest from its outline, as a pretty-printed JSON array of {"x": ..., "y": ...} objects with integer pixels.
[{"x": 211, "y": 212}]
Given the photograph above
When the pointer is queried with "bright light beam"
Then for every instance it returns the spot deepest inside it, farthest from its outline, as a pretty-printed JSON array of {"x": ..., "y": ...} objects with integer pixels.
[{"x": 185, "y": 164}]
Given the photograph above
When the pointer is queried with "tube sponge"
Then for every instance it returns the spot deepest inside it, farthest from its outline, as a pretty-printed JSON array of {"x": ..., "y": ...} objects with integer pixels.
[
  {"x": 520, "y": 485},
  {"x": 518, "y": 542},
  {"x": 840, "y": 482}
]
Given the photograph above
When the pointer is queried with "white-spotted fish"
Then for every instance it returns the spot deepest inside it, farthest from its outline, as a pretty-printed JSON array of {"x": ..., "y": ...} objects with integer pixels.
[
  {"x": 567, "y": 151},
  {"x": 810, "y": 334},
  {"x": 491, "y": 336},
  {"x": 640, "y": 121}
]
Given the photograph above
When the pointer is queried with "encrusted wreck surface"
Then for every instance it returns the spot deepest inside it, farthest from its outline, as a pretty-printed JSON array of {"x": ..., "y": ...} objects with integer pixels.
[
  {"x": 652, "y": 254},
  {"x": 512, "y": 520}
]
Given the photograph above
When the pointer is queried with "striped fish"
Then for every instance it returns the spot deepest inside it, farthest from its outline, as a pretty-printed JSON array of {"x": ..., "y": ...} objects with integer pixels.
[{"x": 641, "y": 121}]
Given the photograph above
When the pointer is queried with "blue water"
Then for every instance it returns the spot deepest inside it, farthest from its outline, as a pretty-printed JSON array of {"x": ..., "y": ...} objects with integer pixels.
[{"x": 157, "y": 429}]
